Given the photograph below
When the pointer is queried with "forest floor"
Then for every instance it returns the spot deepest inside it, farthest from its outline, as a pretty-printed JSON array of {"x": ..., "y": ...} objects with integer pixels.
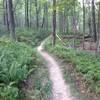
[{"x": 60, "y": 90}]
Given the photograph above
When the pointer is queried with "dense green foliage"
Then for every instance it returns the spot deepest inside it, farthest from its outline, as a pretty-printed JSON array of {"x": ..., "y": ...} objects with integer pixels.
[
  {"x": 17, "y": 61},
  {"x": 85, "y": 63},
  {"x": 30, "y": 34},
  {"x": 15, "y": 65}
]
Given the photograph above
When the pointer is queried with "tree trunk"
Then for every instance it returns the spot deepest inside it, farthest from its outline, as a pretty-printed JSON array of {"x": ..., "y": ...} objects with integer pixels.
[
  {"x": 43, "y": 20},
  {"x": 90, "y": 28},
  {"x": 74, "y": 18},
  {"x": 54, "y": 22},
  {"x": 99, "y": 19},
  {"x": 94, "y": 21},
  {"x": 46, "y": 16},
  {"x": 37, "y": 17},
  {"x": 11, "y": 19},
  {"x": 83, "y": 17},
  {"x": 7, "y": 22},
  {"x": 5, "y": 14},
  {"x": 89, "y": 22},
  {"x": 30, "y": 14},
  {"x": 26, "y": 14}
]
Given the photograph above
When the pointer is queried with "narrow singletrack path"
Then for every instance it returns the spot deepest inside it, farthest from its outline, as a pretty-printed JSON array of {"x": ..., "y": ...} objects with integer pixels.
[{"x": 60, "y": 89}]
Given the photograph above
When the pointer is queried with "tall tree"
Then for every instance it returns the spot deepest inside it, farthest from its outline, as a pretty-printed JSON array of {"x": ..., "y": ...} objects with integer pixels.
[
  {"x": 99, "y": 18},
  {"x": 11, "y": 19},
  {"x": 37, "y": 14},
  {"x": 26, "y": 13},
  {"x": 74, "y": 17},
  {"x": 54, "y": 23},
  {"x": 89, "y": 18},
  {"x": 45, "y": 17},
  {"x": 84, "y": 16},
  {"x": 5, "y": 14},
  {"x": 30, "y": 14},
  {"x": 94, "y": 21}
]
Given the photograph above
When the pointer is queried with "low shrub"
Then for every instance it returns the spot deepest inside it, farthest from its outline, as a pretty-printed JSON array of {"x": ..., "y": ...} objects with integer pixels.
[
  {"x": 16, "y": 61},
  {"x": 35, "y": 36}
]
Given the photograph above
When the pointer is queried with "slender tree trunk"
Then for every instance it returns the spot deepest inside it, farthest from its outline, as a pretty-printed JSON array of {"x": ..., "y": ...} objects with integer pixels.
[
  {"x": 46, "y": 16},
  {"x": 83, "y": 21},
  {"x": 94, "y": 21},
  {"x": 99, "y": 19},
  {"x": 90, "y": 28},
  {"x": 67, "y": 24},
  {"x": 74, "y": 18},
  {"x": 4, "y": 13},
  {"x": 37, "y": 17},
  {"x": 54, "y": 22},
  {"x": 11, "y": 19},
  {"x": 7, "y": 23},
  {"x": 43, "y": 20},
  {"x": 26, "y": 14},
  {"x": 83, "y": 17},
  {"x": 30, "y": 14},
  {"x": 89, "y": 22},
  {"x": 74, "y": 23}
]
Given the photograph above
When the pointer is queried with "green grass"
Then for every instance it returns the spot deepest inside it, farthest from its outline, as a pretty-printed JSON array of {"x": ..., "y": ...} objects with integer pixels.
[{"x": 84, "y": 62}]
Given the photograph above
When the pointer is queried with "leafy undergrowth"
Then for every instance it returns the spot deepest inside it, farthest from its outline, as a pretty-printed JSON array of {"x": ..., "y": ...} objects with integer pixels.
[
  {"x": 41, "y": 89},
  {"x": 36, "y": 36},
  {"x": 84, "y": 63},
  {"x": 17, "y": 62}
]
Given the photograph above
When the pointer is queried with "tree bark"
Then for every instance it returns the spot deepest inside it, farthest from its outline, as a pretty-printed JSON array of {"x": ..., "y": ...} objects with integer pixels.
[
  {"x": 26, "y": 14},
  {"x": 11, "y": 19},
  {"x": 54, "y": 22},
  {"x": 37, "y": 17},
  {"x": 83, "y": 17},
  {"x": 30, "y": 14},
  {"x": 4, "y": 12},
  {"x": 43, "y": 19},
  {"x": 94, "y": 21},
  {"x": 5, "y": 17},
  {"x": 99, "y": 19},
  {"x": 89, "y": 22}
]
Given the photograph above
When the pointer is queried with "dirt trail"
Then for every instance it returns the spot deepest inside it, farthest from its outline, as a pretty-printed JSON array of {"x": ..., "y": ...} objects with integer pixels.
[{"x": 60, "y": 89}]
